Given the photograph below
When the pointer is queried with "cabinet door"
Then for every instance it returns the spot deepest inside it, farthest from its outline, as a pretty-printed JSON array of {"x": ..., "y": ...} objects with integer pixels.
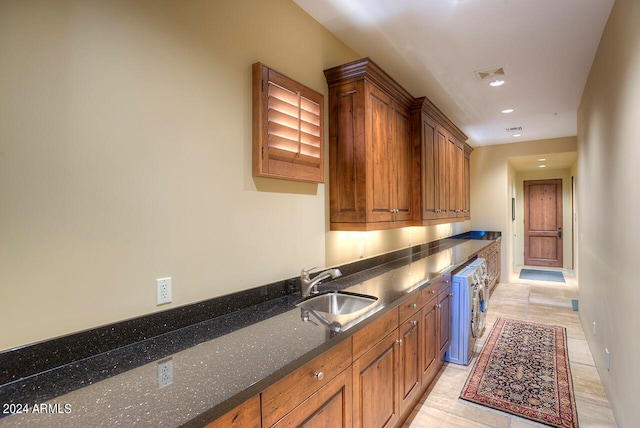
[
  {"x": 379, "y": 154},
  {"x": 455, "y": 153},
  {"x": 330, "y": 406},
  {"x": 375, "y": 386},
  {"x": 410, "y": 362},
  {"x": 443, "y": 316},
  {"x": 430, "y": 345},
  {"x": 442, "y": 196},
  {"x": 346, "y": 151},
  {"x": 429, "y": 170},
  {"x": 402, "y": 174}
]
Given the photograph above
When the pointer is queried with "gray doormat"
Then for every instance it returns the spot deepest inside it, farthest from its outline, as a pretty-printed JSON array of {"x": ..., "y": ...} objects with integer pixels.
[{"x": 542, "y": 275}]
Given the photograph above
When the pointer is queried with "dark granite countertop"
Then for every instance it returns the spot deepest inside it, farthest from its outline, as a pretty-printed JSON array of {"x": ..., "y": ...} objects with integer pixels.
[{"x": 221, "y": 362}]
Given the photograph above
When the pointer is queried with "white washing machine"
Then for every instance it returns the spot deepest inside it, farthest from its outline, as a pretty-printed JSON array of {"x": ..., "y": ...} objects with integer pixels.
[
  {"x": 483, "y": 276},
  {"x": 468, "y": 307}
]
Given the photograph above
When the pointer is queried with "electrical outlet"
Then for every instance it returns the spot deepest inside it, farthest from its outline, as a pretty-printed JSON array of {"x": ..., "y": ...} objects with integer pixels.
[
  {"x": 163, "y": 286},
  {"x": 165, "y": 372}
]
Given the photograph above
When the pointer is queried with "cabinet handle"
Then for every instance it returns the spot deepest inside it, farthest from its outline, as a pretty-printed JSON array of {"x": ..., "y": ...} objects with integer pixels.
[
  {"x": 438, "y": 305},
  {"x": 399, "y": 341},
  {"x": 318, "y": 375},
  {"x": 414, "y": 322},
  {"x": 413, "y": 305},
  {"x": 450, "y": 294}
]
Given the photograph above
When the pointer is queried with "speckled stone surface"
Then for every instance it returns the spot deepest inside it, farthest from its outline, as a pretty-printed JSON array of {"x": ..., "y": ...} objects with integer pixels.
[{"x": 217, "y": 362}]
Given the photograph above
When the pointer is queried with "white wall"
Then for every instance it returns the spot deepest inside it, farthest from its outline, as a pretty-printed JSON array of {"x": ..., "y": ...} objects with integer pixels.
[{"x": 608, "y": 207}]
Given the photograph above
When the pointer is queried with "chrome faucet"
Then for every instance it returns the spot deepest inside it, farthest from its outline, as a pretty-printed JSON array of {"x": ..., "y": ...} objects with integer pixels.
[{"x": 306, "y": 283}]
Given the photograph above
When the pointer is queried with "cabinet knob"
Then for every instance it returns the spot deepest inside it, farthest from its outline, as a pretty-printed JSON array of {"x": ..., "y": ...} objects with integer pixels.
[
  {"x": 438, "y": 305},
  {"x": 432, "y": 291},
  {"x": 413, "y": 305},
  {"x": 399, "y": 341},
  {"x": 450, "y": 294},
  {"x": 318, "y": 375},
  {"x": 414, "y": 322}
]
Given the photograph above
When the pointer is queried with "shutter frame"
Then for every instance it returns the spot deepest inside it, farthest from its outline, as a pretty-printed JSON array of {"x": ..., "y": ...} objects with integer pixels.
[{"x": 288, "y": 128}]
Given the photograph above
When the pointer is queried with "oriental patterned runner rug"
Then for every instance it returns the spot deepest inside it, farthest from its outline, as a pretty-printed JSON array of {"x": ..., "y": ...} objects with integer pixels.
[{"x": 523, "y": 369}]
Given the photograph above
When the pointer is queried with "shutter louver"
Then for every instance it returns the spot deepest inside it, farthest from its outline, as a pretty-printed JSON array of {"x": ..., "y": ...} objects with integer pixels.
[{"x": 290, "y": 131}]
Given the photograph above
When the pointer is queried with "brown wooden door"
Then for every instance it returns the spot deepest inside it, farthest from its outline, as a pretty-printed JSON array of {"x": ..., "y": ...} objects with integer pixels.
[{"x": 543, "y": 223}]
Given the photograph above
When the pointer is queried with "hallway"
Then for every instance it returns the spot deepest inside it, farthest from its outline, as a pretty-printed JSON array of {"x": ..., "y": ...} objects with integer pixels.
[{"x": 536, "y": 301}]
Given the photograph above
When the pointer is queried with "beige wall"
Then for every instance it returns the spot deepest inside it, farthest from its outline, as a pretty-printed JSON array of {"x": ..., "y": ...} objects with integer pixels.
[
  {"x": 494, "y": 182},
  {"x": 125, "y": 156},
  {"x": 565, "y": 176},
  {"x": 608, "y": 207}
]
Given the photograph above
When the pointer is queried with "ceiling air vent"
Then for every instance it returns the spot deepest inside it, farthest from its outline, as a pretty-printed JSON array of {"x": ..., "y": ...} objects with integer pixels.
[
  {"x": 514, "y": 129},
  {"x": 491, "y": 73}
]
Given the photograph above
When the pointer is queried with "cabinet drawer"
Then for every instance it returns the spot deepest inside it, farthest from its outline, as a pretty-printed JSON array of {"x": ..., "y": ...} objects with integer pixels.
[
  {"x": 366, "y": 338},
  {"x": 409, "y": 307},
  {"x": 430, "y": 293},
  {"x": 246, "y": 415},
  {"x": 283, "y": 396},
  {"x": 444, "y": 283},
  {"x": 330, "y": 406}
]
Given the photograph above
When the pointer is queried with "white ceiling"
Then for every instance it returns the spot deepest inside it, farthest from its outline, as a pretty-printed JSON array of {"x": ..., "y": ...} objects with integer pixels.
[{"x": 434, "y": 47}]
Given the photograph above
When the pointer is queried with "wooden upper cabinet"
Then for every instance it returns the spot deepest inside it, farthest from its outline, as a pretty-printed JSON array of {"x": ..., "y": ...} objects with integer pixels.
[
  {"x": 288, "y": 127},
  {"x": 444, "y": 167},
  {"x": 373, "y": 181}
]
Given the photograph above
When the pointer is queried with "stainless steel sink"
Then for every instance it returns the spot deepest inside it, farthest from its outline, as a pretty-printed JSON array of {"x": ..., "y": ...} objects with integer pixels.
[{"x": 337, "y": 302}]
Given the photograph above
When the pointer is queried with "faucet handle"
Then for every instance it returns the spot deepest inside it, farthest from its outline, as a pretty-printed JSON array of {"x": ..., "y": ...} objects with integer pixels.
[{"x": 307, "y": 271}]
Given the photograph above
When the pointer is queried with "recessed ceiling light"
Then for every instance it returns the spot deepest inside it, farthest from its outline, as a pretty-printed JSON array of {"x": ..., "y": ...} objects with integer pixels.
[
  {"x": 497, "y": 82},
  {"x": 516, "y": 135},
  {"x": 542, "y": 166},
  {"x": 542, "y": 159},
  {"x": 507, "y": 110}
]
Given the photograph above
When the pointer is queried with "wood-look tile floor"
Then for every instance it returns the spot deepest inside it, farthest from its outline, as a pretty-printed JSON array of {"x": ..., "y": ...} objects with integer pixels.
[{"x": 536, "y": 301}]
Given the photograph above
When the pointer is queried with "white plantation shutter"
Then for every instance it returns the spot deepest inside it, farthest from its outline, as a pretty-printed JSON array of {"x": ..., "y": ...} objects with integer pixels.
[{"x": 288, "y": 128}]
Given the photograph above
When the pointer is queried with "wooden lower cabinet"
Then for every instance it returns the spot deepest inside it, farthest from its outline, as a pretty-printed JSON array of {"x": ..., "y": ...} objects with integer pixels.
[
  {"x": 370, "y": 380},
  {"x": 375, "y": 385},
  {"x": 492, "y": 254},
  {"x": 288, "y": 393},
  {"x": 330, "y": 406}
]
